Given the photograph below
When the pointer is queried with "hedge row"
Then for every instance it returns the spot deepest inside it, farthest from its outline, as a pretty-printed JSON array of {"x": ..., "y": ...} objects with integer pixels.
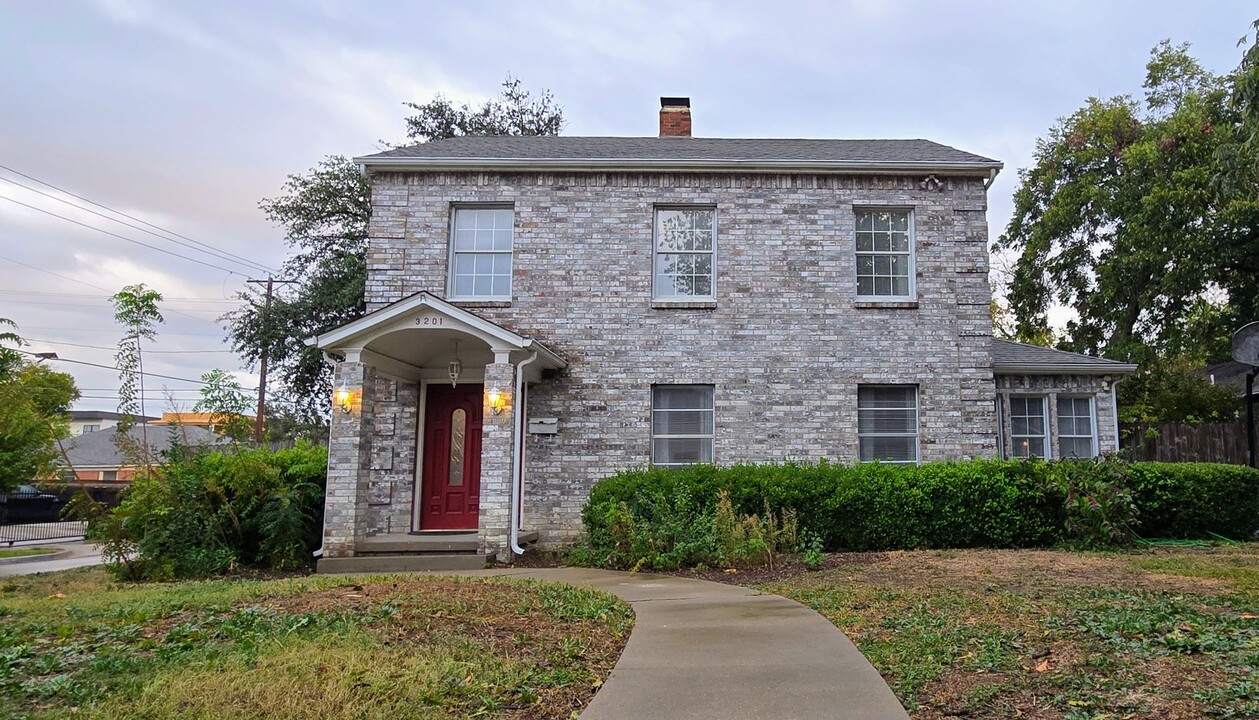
[{"x": 982, "y": 503}]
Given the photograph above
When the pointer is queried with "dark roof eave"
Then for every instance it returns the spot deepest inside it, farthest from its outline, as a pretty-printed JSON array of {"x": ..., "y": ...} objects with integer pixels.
[
  {"x": 1117, "y": 368},
  {"x": 430, "y": 164}
]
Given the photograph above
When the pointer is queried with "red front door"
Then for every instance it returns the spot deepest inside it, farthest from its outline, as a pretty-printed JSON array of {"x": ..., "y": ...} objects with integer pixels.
[{"x": 451, "y": 484}]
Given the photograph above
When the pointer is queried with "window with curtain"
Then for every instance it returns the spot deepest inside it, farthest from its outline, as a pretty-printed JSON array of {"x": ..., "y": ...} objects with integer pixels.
[
  {"x": 686, "y": 241},
  {"x": 681, "y": 425},
  {"x": 1077, "y": 430},
  {"x": 887, "y": 423}
]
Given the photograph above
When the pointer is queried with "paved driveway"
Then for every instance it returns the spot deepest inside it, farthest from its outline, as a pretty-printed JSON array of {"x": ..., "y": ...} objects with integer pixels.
[{"x": 78, "y": 554}]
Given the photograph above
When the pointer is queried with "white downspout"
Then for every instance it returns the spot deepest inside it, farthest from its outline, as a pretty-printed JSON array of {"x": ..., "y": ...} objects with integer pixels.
[
  {"x": 517, "y": 461},
  {"x": 1114, "y": 411}
]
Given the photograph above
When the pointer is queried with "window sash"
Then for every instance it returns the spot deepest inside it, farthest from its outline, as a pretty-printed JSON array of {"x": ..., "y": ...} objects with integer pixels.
[
  {"x": 682, "y": 424},
  {"x": 884, "y": 253},
  {"x": 1025, "y": 440},
  {"x": 887, "y": 425},
  {"x": 482, "y": 245},
  {"x": 684, "y": 263},
  {"x": 1077, "y": 427}
]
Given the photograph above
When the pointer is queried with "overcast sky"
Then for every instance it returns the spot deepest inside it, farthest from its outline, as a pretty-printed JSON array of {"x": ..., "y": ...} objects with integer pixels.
[{"x": 185, "y": 114}]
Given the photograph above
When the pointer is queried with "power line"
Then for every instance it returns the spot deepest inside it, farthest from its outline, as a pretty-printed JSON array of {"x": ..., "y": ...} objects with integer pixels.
[
  {"x": 95, "y": 287},
  {"x": 121, "y": 237},
  {"x": 165, "y": 298},
  {"x": 215, "y": 254},
  {"x": 115, "y": 367},
  {"x": 262, "y": 267},
  {"x": 112, "y": 332},
  {"x": 110, "y": 347}
]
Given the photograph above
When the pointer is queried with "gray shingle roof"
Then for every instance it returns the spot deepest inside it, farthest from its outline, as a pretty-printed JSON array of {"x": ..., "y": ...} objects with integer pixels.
[
  {"x": 680, "y": 149},
  {"x": 1010, "y": 356},
  {"x": 97, "y": 449},
  {"x": 102, "y": 415}
]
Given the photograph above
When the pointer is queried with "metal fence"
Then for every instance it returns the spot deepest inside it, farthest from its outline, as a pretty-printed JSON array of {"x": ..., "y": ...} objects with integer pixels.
[{"x": 28, "y": 515}]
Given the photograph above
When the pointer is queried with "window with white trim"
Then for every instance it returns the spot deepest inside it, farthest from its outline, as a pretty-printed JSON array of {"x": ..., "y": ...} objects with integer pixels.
[
  {"x": 1029, "y": 426},
  {"x": 885, "y": 253},
  {"x": 481, "y": 254},
  {"x": 1077, "y": 428},
  {"x": 681, "y": 425},
  {"x": 90, "y": 428},
  {"x": 887, "y": 423},
  {"x": 686, "y": 239}
]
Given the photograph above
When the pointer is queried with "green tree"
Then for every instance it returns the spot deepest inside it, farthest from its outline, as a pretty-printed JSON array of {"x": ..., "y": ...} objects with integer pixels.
[
  {"x": 135, "y": 309},
  {"x": 325, "y": 214},
  {"x": 36, "y": 402},
  {"x": 227, "y": 404},
  {"x": 1120, "y": 220}
]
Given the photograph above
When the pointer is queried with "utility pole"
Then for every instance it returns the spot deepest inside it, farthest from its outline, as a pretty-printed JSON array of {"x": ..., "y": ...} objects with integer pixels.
[{"x": 270, "y": 283}]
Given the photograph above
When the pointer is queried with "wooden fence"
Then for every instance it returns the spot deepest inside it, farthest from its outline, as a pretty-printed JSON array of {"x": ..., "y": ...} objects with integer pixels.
[{"x": 1223, "y": 442}]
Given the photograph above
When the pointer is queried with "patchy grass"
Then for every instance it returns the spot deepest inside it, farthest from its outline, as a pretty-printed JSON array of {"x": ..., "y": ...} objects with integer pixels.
[
  {"x": 986, "y": 634},
  {"x": 24, "y": 552},
  {"x": 329, "y": 647}
]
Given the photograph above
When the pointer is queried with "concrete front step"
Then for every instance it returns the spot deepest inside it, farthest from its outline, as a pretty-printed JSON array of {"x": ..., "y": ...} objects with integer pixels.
[
  {"x": 400, "y": 563},
  {"x": 399, "y": 544}
]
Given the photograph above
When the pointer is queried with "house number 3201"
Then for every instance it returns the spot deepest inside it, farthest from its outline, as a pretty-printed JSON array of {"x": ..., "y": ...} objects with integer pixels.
[{"x": 428, "y": 321}]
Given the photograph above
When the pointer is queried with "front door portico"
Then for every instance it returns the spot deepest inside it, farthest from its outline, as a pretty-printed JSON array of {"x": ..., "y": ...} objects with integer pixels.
[
  {"x": 450, "y": 482},
  {"x": 407, "y": 451}
]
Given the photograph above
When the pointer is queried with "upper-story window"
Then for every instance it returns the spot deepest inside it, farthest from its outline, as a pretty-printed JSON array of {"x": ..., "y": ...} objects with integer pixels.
[
  {"x": 686, "y": 241},
  {"x": 480, "y": 254},
  {"x": 885, "y": 254}
]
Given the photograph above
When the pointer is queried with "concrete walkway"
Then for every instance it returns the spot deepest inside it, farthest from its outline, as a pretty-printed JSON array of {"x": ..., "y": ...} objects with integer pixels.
[
  {"x": 78, "y": 554},
  {"x": 705, "y": 650}
]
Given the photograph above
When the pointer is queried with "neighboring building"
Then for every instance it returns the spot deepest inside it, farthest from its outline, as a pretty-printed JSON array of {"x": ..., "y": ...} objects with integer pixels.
[
  {"x": 96, "y": 458},
  {"x": 85, "y": 421},
  {"x": 546, "y": 311},
  {"x": 192, "y": 419}
]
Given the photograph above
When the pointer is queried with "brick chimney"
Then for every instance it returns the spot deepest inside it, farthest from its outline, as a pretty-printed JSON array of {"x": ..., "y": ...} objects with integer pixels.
[{"x": 675, "y": 117}]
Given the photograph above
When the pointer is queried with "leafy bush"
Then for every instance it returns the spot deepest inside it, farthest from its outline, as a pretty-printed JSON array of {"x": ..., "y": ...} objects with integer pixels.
[
  {"x": 1098, "y": 500},
  {"x": 206, "y": 512},
  {"x": 1192, "y": 500},
  {"x": 668, "y": 518}
]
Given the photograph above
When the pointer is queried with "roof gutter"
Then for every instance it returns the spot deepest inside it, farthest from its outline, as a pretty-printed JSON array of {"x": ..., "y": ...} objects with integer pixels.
[
  {"x": 1061, "y": 369},
  {"x": 420, "y": 164}
]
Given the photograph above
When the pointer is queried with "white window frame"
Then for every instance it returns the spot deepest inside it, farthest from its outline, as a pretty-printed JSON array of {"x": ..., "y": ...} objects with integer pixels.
[
  {"x": 916, "y": 434},
  {"x": 1092, "y": 400},
  {"x": 1046, "y": 437},
  {"x": 90, "y": 428},
  {"x": 712, "y": 449},
  {"x": 452, "y": 254},
  {"x": 656, "y": 253},
  {"x": 912, "y": 294}
]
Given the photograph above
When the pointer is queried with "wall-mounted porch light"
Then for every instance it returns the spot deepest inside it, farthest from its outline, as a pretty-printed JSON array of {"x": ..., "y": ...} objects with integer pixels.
[
  {"x": 344, "y": 398},
  {"x": 497, "y": 400},
  {"x": 455, "y": 367}
]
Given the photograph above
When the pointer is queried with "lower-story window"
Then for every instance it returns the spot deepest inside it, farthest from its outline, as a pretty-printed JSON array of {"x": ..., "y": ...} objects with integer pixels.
[
  {"x": 1029, "y": 427},
  {"x": 1077, "y": 431},
  {"x": 681, "y": 425},
  {"x": 887, "y": 423}
]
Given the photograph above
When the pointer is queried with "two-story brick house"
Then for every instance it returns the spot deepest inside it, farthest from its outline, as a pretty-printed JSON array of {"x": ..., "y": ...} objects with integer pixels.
[{"x": 544, "y": 311}]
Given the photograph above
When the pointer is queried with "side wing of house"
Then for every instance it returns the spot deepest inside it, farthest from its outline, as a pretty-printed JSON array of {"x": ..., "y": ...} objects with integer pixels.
[{"x": 1053, "y": 404}]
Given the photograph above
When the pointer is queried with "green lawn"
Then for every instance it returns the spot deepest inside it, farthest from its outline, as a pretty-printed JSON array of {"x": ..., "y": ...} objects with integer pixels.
[
  {"x": 1169, "y": 633},
  {"x": 24, "y": 552},
  {"x": 326, "y": 647}
]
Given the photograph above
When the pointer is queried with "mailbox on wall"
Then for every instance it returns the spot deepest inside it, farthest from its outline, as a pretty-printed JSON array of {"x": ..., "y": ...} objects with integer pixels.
[{"x": 544, "y": 426}]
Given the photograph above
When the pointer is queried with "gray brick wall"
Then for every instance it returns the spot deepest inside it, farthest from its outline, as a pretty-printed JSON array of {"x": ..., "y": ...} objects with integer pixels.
[{"x": 786, "y": 343}]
